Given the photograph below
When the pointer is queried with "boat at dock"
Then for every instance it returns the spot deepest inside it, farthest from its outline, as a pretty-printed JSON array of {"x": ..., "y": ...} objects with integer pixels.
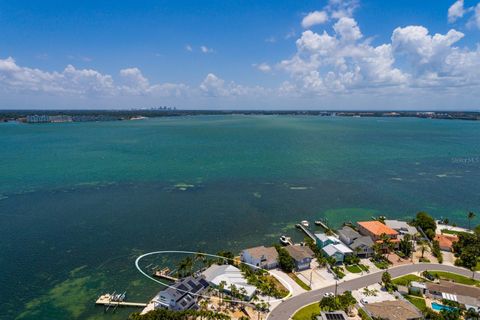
[
  {"x": 116, "y": 300},
  {"x": 285, "y": 240},
  {"x": 164, "y": 273},
  {"x": 305, "y": 223}
]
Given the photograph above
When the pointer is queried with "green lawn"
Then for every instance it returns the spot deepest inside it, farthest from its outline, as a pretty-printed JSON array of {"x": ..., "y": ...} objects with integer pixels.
[
  {"x": 417, "y": 302},
  {"x": 306, "y": 312},
  {"x": 364, "y": 267},
  {"x": 456, "y": 278},
  {"x": 381, "y": 265},
  {"x": 299, "y": 282},
  {"x": 363, "y": 314},
  {"x": 353, "y": 268},
  {"x": 405, "y": 280}
]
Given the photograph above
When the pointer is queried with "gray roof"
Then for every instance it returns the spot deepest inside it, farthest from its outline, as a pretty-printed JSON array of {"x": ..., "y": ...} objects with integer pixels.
[
  {"x": 298, "y": 253},
  {"x": 394, "y": 310},
  {"x": 454, "y": 288},
  {"x": 399, "y": 225},
  {"x": 362, "y": 241},
  {"x": 268, "y": 254},
  {"x": 348, "y": 232}
]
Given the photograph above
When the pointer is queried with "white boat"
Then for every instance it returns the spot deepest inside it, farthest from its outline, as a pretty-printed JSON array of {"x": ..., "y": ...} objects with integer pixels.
[
  {"x": 305, "y": 223},
  {"x": 285, "y": 240}
]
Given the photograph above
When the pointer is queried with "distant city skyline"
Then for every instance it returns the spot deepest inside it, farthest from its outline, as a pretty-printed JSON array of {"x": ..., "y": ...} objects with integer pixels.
[{"x": 330, "y": 55}]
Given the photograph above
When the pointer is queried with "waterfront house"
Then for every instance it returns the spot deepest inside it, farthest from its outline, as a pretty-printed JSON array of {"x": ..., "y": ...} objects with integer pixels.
[
  {"x": 302, "y": 256},
  {"x": 463, "y": 294},
  {"x": 393, "y": 310},
  {"x": 262, "y": 257},
  {"x": 376, "y": 229},
  {"x": 323, "y": 240},
  {"x": 362, "y": 247},
  {"x": 229, "y": 276},
  {"x": 337, "y": 251},
  {"x": 347, "y": 235},
  {"x": 402, "y": 227},
  {"x": 182, "y": 295},
  {"x": 446, "y": 241}
]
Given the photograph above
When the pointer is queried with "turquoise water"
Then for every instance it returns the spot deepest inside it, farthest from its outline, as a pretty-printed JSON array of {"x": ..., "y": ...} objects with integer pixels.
[
  {"x": 80, "y": 201},
  {"x": 440, "y": 307}
]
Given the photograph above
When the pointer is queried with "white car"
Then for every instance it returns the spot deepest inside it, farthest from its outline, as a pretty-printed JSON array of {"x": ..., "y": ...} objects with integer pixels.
[
  {"x": 364, "y": 301},
  {"x": 328, "y": 295}
]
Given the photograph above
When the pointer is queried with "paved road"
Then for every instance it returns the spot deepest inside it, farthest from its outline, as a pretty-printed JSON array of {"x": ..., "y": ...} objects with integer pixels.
[{"x": 286, "y": 309}]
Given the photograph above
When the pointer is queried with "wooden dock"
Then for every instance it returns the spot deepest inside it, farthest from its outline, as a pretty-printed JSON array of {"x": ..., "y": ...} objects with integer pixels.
[
  {"x": 307, "y": 232},
  {"x": 165, "y": 274},
  {"x": 321, "y": 224},
  {"x": 106, "y": 300}
]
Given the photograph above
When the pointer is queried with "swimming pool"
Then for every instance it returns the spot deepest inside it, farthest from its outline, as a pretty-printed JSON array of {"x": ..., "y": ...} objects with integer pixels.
[{"x": 440, "y": 307}]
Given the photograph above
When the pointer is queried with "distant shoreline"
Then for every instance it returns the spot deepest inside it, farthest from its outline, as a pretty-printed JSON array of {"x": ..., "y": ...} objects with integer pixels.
[{"x": 50, "y": 116}]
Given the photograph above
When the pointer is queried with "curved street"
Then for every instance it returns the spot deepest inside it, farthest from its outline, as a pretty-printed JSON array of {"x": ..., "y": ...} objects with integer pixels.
[{"x": 287, "y": 308}]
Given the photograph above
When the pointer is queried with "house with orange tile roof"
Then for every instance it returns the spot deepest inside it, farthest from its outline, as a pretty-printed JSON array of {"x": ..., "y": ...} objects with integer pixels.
[
  {"x": 375, "y": 230},
  {"x": 446, "y": 241}
]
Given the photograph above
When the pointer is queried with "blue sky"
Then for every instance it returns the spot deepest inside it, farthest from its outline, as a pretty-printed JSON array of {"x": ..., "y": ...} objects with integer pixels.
[{"x": 336, "y": 54}]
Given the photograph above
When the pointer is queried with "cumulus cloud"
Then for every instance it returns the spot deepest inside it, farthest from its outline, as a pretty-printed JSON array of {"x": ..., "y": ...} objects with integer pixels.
[
  {"x": 188, "y": 48},
  {"x": 81, "y": 82},
  {"x": 339, "y": 62},
  {"x": 215, "y": 87},
  {"x": 314, "y": 18},
  {"x": 346, "y": 61},
  {"x": 70, "y": 80},
  {"x": 456, "y": 11}
]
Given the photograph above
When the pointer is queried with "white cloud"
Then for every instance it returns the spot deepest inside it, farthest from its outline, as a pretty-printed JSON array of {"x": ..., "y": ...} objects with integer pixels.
[
  {"x": 215, "y": 87},
  {"x": 134, "y": 81},
  {"x": 347, "y": 62},
  {"x": 456, "y": 11},
  {"x": 188, "y": 48},
  {"x": 206, "y": 49},
  {"x": 341, "y": 8},
  {"x": 263, "y": 67},
  {"x": 314, "y": 18},
  {"x": 86, "y": 83},
  {"x": 347, "y": 29}
]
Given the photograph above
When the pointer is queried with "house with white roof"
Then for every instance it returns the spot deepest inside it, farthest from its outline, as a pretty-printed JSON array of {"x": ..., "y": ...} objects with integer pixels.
[
  {"x": 337, "y": 251},
  {"x": 323, "y": 240},
  {"x": 229, "y": 276}
]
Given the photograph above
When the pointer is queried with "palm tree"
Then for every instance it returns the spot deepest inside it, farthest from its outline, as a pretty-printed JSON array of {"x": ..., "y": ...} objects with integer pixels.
[
  {"x": 221, "y": 287},
  {"x": 386, "y": 243},
  {"x": 470, "y": 216},
  {"x": 423, "y": 247}
]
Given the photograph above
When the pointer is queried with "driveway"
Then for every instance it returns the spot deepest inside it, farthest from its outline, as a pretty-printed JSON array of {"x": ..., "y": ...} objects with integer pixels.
[
  {"x": 287, "y": 282},
  {"x": 287, "y": 308}
]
